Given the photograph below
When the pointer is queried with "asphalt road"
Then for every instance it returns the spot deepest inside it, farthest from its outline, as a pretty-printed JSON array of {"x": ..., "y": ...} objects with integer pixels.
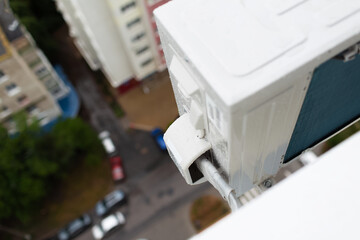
[
  {"x": 132, "y": 146},
  {"x": 161, "y": 194}
]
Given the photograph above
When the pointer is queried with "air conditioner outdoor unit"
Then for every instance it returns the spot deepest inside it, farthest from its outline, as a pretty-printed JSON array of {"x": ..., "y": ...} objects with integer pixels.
[{"x": 258, "y": 82}]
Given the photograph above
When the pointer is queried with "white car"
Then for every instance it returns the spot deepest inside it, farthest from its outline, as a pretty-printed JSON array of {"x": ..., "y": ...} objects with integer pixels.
[
  {"x": 107, "y": 142},
  {"x": 107, "y": 224}
]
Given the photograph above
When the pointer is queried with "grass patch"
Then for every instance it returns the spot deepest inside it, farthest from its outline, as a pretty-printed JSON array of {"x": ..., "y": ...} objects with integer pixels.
[
  {"x": 117, "y": 109},
  {"x": 75, "y": 195},
  {"x": 206, "y": 210}
]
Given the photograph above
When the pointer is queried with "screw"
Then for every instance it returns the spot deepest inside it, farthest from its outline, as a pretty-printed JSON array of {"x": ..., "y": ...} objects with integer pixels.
[{"x": 267, "y": 183}]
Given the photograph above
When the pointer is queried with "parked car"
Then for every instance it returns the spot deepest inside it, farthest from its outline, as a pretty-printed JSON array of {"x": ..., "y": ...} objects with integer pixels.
[
  {"x": 108, "y": 144},
  {"x": 75, "y": 227},
  {"x": 158, "y": 135},
  {"x": 117, "y": 169},
  {"x": 107, "y": 224},
  {"x": 114, "y": 199}
]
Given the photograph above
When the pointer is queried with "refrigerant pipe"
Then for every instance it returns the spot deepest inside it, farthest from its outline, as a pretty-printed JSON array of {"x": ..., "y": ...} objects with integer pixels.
[{"x": 214, "y": 177}]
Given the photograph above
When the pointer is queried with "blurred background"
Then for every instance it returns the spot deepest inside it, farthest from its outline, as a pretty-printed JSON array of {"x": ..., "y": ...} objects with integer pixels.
[{"x": 85, "y": 97}]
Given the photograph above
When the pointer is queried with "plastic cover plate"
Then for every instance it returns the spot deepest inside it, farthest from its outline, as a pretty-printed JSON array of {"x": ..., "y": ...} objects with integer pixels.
[
  {"x": 184, "y": 146},
  {"x": 255, "y": 41}
]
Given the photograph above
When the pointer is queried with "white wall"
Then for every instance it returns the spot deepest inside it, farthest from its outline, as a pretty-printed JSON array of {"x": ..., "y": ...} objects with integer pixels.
[
  {"x": 98, "y": 25},
  {"x": 96, "y": 17},
  {"x": 76, "y": 30},
  {"x": 121, "y": 20}
]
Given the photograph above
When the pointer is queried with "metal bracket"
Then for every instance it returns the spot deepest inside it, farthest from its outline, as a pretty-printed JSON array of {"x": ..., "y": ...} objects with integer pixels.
[{"x": 350, "y": 53}]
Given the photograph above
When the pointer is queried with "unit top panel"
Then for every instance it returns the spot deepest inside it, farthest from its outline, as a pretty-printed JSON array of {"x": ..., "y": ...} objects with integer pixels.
[
  {"x": 242, "y": 46},
  {"x": 237, "y": 38}
]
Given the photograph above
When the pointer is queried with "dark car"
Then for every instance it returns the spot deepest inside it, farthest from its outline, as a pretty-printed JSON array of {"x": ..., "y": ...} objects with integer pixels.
[
  {"x": 114, "y": 199},
  {"x": 158, "y": 136},
  {"x": 75, "y": 227}
]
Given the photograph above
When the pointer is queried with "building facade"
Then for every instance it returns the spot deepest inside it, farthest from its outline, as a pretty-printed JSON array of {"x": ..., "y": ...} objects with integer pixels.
[
  {"x": 117, "y": 36},
  {"x": 27, "y": 80},
  {"x": 149, "y": 6}
]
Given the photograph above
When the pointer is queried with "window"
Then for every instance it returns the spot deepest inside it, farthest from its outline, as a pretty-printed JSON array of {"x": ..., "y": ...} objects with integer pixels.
[
  {"x": 133, "y": 22},
  {"x": 3, "y": 77},
  {"x": 41, "y": 70},
  {"x": 11, "y": 86},
  {"x": 12, "y": 89},
  {"x": 141, "y": 50},
  {"x": 128, "y": 6},
  {"x": 34, "y": 62},
  {"x": 147, "y": 62},
  {"x": 4, "y": 111},
  {"x": 32, "y": 109},
  {"x": 138, "y": 37},
  {"x": 23, "y": 100}
]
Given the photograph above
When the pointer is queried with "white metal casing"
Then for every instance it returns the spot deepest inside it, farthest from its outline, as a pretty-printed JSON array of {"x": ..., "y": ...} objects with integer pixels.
[{"x": 247, "y": 66}]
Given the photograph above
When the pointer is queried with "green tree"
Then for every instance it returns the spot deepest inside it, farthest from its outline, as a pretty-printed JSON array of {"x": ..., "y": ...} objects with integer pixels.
[
  {"x": 21, "y": 179},
  {"x": 78, "y": 140},
  {"x": 32, "y": 161}
]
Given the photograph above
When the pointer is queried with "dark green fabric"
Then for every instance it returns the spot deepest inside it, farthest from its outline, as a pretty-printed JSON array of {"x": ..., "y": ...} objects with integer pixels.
[{"x": 331, "y": 103}]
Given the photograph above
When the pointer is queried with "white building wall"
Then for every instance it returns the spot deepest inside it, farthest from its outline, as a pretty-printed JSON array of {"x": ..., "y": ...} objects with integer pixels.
[
  {"x": 76, "y": 30},
  {"x": 130, "y": 21},
  {"x": 116, "y": 35},
  {"x": 99, "y": 27}
]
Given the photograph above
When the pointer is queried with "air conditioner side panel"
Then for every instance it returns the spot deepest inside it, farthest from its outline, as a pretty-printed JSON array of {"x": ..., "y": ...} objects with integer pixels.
[
  {"x": 332, "y": 102},
  {"x": 262, "y": 131}
]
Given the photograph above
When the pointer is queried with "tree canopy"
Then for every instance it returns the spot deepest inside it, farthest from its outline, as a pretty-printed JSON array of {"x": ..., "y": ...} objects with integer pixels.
[{"x": 32, "y": 161}]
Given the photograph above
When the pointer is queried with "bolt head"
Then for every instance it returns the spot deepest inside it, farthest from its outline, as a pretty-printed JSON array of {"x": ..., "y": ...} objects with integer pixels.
[{"x": 267, "y": 183}]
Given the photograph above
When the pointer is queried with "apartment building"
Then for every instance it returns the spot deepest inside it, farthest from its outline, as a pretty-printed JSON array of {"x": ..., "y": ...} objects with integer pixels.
[
  {"x": 117, "y": 36},
  {"x": 27, "y": 80},
  {"x": 149, "y": 6}
]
